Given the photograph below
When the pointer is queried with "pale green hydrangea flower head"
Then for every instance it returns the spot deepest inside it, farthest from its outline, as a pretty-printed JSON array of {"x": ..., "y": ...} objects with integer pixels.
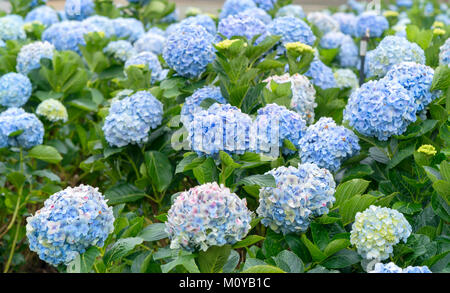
[{"x": 53, "y": 110}]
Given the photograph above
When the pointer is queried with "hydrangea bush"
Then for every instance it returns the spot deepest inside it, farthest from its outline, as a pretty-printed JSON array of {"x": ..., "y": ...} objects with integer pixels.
[{"x": 148, "y": 138}]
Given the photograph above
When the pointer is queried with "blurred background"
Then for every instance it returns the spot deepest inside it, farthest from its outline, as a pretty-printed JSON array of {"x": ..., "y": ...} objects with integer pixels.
[{"x": 208, "y": 5}]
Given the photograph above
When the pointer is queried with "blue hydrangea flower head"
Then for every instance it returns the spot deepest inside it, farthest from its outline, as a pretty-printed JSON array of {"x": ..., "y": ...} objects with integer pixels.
[
  {"x": 148, "y": 59},
  {"x": 393, "y": 50},
  {"x": 11, "y": 28},
  {"x": 348, "y": 55},
  {"x": 192, "y": 103},
  {"x": 300, "y": 194},
  {"x": 417, "y": 79},
  {"x": 16, "y": 119},
  {"x": 34, "y": 3},
  {"x": 129, "y": 28},
  {"x": 417, "y": 270},
  {"x": 203, "y": 20},
  {"x": 346, "y": 78},
  {"x": 347, "y": 22},
  {"x": 172, "y": 17},
  {"x": 129, "y": 120},
  {"x": 101, "y": 23},
  {"x": 232, "y": 7},
  {"x": 256, "y": 13},
  {"x": 376, "y": 24},
  {"x": 376, "y": 230},
  {"x": 15, "y": 89},
  {"x": 71, "y": 221},
  {"x": 78, "y": 9},
  {"x": 220, "y": 128},
  {"x": 328, "y": 145},
  {"x": 444, "y": 55},
  {"x": 265, "y": 4},
  {"x": 324, "y": 22},
  {"x": 157, "y": 31},
  {"x": 66, "y": 35},
  {"x": 321, "y": 75},
  {"x": 291, "y": 29},
  {"x": 405, "y": 3},
  {"x": 291, "y": 10},
  {"x": 2, "y": 44},
  {"x": 150, "y": 42},
  {"x": 30, "y": 56},
  {"x": 53, "y": 110},
  {"x": 332, "y": 40},
  {"x": 289, "y": 124},
  {"x": 207, "y": 215},
  {"x": 238, "y": 25},
  {"x": 356, "y": 6},
  {"x": 380, "y": 109},
  {"x": 189, "y": 50},
  {"x": 303, "y": 94},
  {"x": 389, "y": 268},
  {"x": 45, "y": 14},
  {"x": 121, "y": 50}
]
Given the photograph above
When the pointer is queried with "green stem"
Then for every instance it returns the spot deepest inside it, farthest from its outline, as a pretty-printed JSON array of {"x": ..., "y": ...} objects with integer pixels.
[
  {"x": 138, "y": 175},
  {"x": 13, "y": 247}
]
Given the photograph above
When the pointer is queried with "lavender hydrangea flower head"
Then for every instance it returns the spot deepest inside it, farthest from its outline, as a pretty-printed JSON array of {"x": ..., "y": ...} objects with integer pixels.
[
  {"x": 256, "y": 13},
  {"x": 347, "y": 22},
  {"x": 78, "y": 9},
  {"x": 203, "y": 20},
  {"x": 66, "y": 35},
  {"x": 192, "y": 103},
  {"x": 129, "y": 28},
  {"x": 121, "y": 50},
  {"x": 265, "y": 4},
  {"x": 291, "y": 29},
  {"x": 369, "y": 20},
  {"x": 71, "y": 221},
  {"x": 16, "y": 119},
  {"x": 346, "y": 78},
  {"x": 444, "y": 55},
  {"x": 321, "y": 75},
  {"x": 328, "y": 145},
  {"x": 303, "y": 94},
  {"x": 45, "y": 14},
  {"x": 232, "y": 7},
  {"x": 324, "y": 22},
  {"x": 300, "y": 194},
  {"x": 289, "y": 124},
  {"x": 291, "y": 10},
  {"x": 380, "y": 109},
  {"x": 30, "y": 56},
  {"x": 207, "y": 215},
  {"x": 393, "y": 50},
  {"x": 130, "y": 119},
  {"x": 15, "y": 89},
  {"x": 11, "y": 28},
  {"x": 189, "y": 50},
  {"x": 376, "y": 230},
  {"x": 147, "y": 59},
  {"x": 238, "y": 25},
  {"x": 416, "y": 79},
  {"x": 102, "y": 23},
  {"x": 53, "y": 110},
  {"x": 220, "y": 128}
]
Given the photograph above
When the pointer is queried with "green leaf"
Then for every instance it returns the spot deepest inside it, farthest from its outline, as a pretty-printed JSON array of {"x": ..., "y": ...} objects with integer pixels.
[
  {"x": 335, "y": 246},
  {"x": 121, "y": 248},
  {"x": 444, "y": 168},
  {"x": 213, "y": 260},
  {"x": 47, "y": 174},
  {"x": 348, "y": 189},
  {"x": 17, "y": 179},
  {"x": 232, "y": 262},
  {"x": 342, "y": 259},
  {"x": 153, "y": 232},
  {"x": 296, "y": 245},
  {"x": 440, "y": 207},
  {"x": 265, "y": 180},
  {"x": 319, "y": 235},
  {"x": 83, "y": 263},
  {"x": 263, "y": 269},
  {"x": 289, "y": 262},
  {"x": 84, "y": 104},
  {"x": 441, "y": 78},
  {"x": 354, "y": 205},
  {"x": 247, "y": 241},
  {"x": 443, "y": 189},
  {"x": 408, "y": 208},
  {"x": 159, "y": 169},
  {"x": 358, "y": 171},
  {"x": 45, "y": 153},
  {"x": 401, "y": 155},
  {"x": 123, "y": 192},
  {"x": 187, "y": 261},
  {"x": 206, "y": 172},
  {"x": 315, "y": 252}
]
